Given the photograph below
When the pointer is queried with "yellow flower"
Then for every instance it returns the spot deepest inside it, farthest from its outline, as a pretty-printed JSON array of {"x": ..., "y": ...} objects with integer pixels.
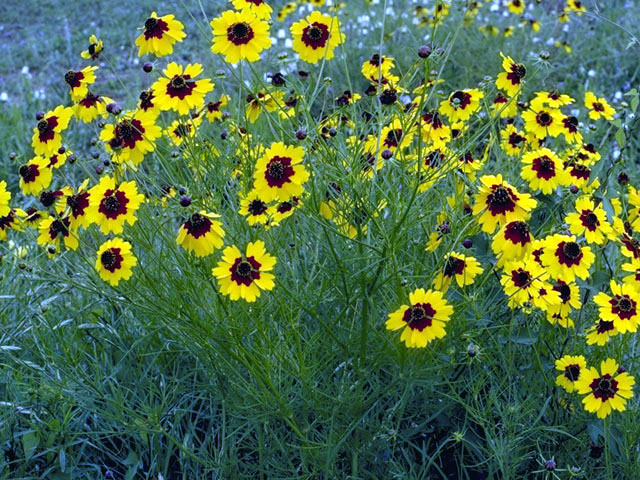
[
  {"x": 159, "y": 36},
  {"x": 35, "y": 176},
  {"x": 78, "y": 82},
  {"x": 5, "y": 198},
  {"x": 543, "y": 170},
  {"x": 112, "y": 204},
  {"x": 14, "y": 220},
  {"x": 115, "y": 261},
  {"x": 598, "y": 107},
  {"x": 497, "y": 203},
  {"x": 525, "y": 282},
  {"x": 590, "y": 221},
  {"x": 213, "y": 110},
  {"x": 632, "y": 267},
  {"x": 433, "y": 130},
  {"x": 93, "y": 51},
  {"x": 254, "y": 208},
  {"x": 279, "y": 173},
  {"x": 201, "y": 233},
  {"x": 240, "y": 36},
  {"x": 132, "y": 137},
  {"x": 461, "y": 104},
  {"x": 565, "y": 259},
  {"x": 516, "y": 6},
  {"x": 46, "y": 135},
  {"x": 552, "y": 99},
  {"x": 91, "y": 106},
  {"x": 244, "y": 276},
  {"x": 571, "y": 366},
  {"x": 607, "y": 390},
  {"x": 600, "y": 333},
  {"x": 263, "y": 100},
  {"x": 259, "y": 8},
  {"x": 183, "y": 129},
  {"x": 53, "y": 230},
  {"x": 78, "y": 204},
  {"x": 178, "y": 90},
  {"x": 459, "y": 266},
  {"x": 543, "y": 121},
  {"x": 316, "y": 37},
  {"x": 512, "y": 242},
  {"x": 621, "y": 308},
  {"x": 513, "y": 140},
  {"x": 511, "y": 79},
  {"x": 423, "y": 320}
]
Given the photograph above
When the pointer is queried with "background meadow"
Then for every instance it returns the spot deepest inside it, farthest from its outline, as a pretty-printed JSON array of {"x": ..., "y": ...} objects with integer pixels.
[{"x": 164, "y": 377}]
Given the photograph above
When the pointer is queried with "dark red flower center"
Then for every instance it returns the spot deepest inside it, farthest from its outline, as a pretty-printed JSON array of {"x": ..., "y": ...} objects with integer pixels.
[
  {"x": 501, "y": 200},
  {"x": 604, "y": 387},
  {"x": 111, "y": 259},
  {"x": 240, "y": 33},
  {"x": 78, "y": 203},
  {"x": 517, "y": 232},
  {"x": 245, "y": 271},
  {"x": 563, "y": 290},
  {"x": 113, "y": 204},
  {"x": 29, "y": 172},
  {"x": 419, "y": 316},
  {"x": 155, "y": 28},
  {"x": 128, "y": 132},
  {"x": 572, "y": 372},
  {"x": 604, "y": 326},
  {"x": 198, "y": 225},
  {"x": 73, "y": 78},
  {"x": 453, "y": 266},
  {"x": 59, "y": 227},
  {"x": 257, "y": 207},
  {"x": 589, "y": 220},
  {"x": 393, "y": 138},
  {"x": 279, "y": 171},
  {"x": 598, "y": 107},
  {"x": 460, "y": 99},
  {"x": 544, "y": 119},
  {"x": 521, "y": 278},
  {"x": 180, "y": 86},
  {"x": 623, "y": 306},
  {"x": 544, "y": 167},
  {"x": 517, "y": 73},
  {"x": 46, "y": 128},
  {"x": 568, "y": 253},
  {"x": 315, "y": 35}
]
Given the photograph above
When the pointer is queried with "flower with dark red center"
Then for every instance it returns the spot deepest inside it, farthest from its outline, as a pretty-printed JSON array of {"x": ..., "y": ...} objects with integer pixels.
[
  {"x": 201, "y": 233},
  {"x": 115, "y": 261},
  {"x": 179, "y": 90},
  {"x": 159, "y": 35},
  {"x": 565, "y": 259},
  {"x": 316, "y": 36},
  {"x": 244, "y": 276},
  {"x": 606, "y": 390},
  {"x": 240, "y": 35},
  {"x": 423, "y": 320},
  {"x": 280, "y": 173},
  {"x": 111, "y": 205}
]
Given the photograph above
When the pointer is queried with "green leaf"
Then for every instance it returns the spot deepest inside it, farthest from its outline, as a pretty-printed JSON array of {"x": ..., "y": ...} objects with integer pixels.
[
  {"x": 621, "y": 138},
  {"x": 62, "y": 457},
  {"x": 30, "y": 441}
]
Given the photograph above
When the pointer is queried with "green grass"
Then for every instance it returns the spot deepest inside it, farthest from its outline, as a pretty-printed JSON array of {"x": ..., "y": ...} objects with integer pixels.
[{"x": 163, "y": 377}]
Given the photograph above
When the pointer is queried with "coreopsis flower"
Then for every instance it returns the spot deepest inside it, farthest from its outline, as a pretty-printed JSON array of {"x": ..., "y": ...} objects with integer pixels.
[
  {"x": 443, "y": 228},
  {"x": 263, "y": 100},
  {"x": 179, "y": 91},
  {"x": 543, "y": 170},
  {"x": 570, "y": 129},
  {"x": 505, "y": 107},
  {"x": 316, "y": 37},
  {"x": 570, "y": 299},
  {"x": 78, "y": 203},
  {"x": 469, "y": 164},
  {"x": 46, "y": 135},
  {"x": 111, "y": 205},
  {"x": 497, "y": 203},
  {"x": 575, "y": 6},
  {"x": 423, "y": 320},
  {"x": 79, "y": 82},
  {"x": 279, "y": 173},
  {"x": 35, "y": 176},
  {"x": 201, "y": 233},
  {"x": 571, "y": 366},
  {"x": 553, "y": 99},
  {"x": 433, "y": 130},
  {"x": 56, "y": 230},
  {"x": 159, "y": 35},
  {"x": 633, "y": 267},
  {"x": 525, "y": 282},
  {"x": 511, "y": 79},
  {"x": 94, "y": 49},
  {"x": 566, "y": 259},
  {"x": 284, "y": 12},
  {"x": 183, "y": 129},
  {"x": 5, "y": 198},
  {"x": 598, "y": 107},
  {"x": 59, "y": 159},
  {"x": 254, "y": 208},
  {"x": 461, "y": 104},
  {"x": 516, "y": 6},
  {"x": 132, "y": 137},
  {"x": 91, "y": 107},
  {"x": 608, "y": 390},
  {"x": 244, "y": 276},
  {"x": 621, "y": 308},
  {"x": 115, "y": 261},
  {"x": 240, "y": 36},
  {"x": 463, "y": 268},
  {"x": 213, "y": 110},
  {"x": 259, "y": 8},
  {"x": 435, "y": 164},
  {"x": 600, "y": 333},
  {"x": 394, "y": 136},
  {"x": 11, "y": 221},
  {"x": 148, "y": 102},
  {"x": 55, "y": 199},
  {"x": 512, "y": 242},
  {"x": 589, "y": 221},
  {"x": 514, "y": 141},
  {"x": 543, "y": 121},
  {"x": 282, "y": 210},
  {"x": 377, "y": 68}
]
